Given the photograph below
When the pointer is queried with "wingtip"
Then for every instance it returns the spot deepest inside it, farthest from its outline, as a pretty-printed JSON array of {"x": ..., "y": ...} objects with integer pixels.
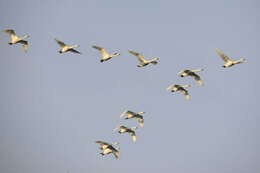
[
  {"x": 200, "y": 82},
  {"x": 115, "y": 129},
  {"x": 169, "y": 88},
  {"x": 187, "y": 97},
  {"x": 134, "y": 138},
  {"x": 123, "y": 114}
]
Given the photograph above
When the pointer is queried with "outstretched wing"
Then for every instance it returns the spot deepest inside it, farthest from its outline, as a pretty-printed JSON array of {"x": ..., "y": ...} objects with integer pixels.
[
  {"x": 103, "y": 52},
  {"x": 141, "y": 122},
  {"x": 223, "y": 56},
  {"x": 186, "y": 86},
  {"x": 62, "y": 44},
  {"x": 116, "y": 154},
  {"x": 127, "y": 113},
  {"x": 133, "y": 135},
  {"x": 102, "y": 143},
  {"x": 25, "y": 45},
  {"x": 139, "y": 56},
  {"x": 197, "y": 70},
  {"x": 185, "y": 93},
  {"x": 75, "y": 51},
  {"x": 12, "y": 33},
  {"x": 197, "y": 78},
  {"x": 169, "y": 87}
]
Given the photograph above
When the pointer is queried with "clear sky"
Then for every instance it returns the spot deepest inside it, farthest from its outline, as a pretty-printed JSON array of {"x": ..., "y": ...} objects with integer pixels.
[{"x": 53, "y": 107}]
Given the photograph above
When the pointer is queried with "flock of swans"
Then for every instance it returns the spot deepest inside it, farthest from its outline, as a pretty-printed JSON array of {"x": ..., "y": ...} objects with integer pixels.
[{"x": 112, "y": 148}]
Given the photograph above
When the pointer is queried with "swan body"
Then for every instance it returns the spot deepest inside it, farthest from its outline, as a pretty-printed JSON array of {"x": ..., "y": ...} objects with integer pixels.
[{"x": 228, "y": 61}]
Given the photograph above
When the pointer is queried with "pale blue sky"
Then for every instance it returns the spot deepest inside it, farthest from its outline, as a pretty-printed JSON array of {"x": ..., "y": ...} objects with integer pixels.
[{"x": 53, "y": 107}]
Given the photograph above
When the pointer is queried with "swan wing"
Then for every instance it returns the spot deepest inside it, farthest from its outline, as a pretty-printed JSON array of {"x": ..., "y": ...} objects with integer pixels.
[
  {"x": 139, "y": 56},
  {"x": 103, "y": 52},
  {"x": 60, "y": 43},
  {"x": 223, "y": 56}
]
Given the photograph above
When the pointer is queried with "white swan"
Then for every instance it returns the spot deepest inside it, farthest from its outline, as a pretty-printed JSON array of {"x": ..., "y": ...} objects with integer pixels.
[
  {"x": 192, "y": 73},
  {"x": 131, "y": 114},
  {"x": 181, "y": 88},
  {"x": 142, "y": 60},
  {"x": 108, "y": 149},
  {"x": 124, "y": 129},
  {"x": 67, "y": 48},
  {"x": 15, "y": 39},
  {"x": 105, "y": 55},
  {"x": 228, "y": 61}
]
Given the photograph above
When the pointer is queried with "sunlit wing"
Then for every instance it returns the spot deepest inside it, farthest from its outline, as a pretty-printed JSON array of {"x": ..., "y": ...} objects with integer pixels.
[
  {"x": 102, "y": 143},
  {"x": 75, "y": 51},
  {"x": 25, "y": 45},
  {"x": 223, "y": 56},
  {"x": 197, "y": 70},
  {"x": 102, "y": 50},
  {"x": 62, "y": 44},
  {"x": 169, "y": 87},
  {"x": 141, "y": 122},
  {"x": 134, "y": 138},
  {"x": 12, "y": 34},
  {"x": 185, "y": 86},
  {"x": 116, "y": 154},
  {"x": 139, "y": 56}
]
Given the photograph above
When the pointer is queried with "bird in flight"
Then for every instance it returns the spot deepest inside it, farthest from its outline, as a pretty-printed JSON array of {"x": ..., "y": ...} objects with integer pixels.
[
  {"x": 181, "y": 88},
  {"x": 193, "y": 74},
  {"x": 142, "y": 61},
  {"x": 108, "y": 149},
  {"x": 67, "y": 48},
  {"x": 105, "y": 55},
  {"x": 228, "y": 61},
  {"x": 15, "y": 39},
  {"x": 130, "y": 114},
  {"x": 124, "y": 129}
]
